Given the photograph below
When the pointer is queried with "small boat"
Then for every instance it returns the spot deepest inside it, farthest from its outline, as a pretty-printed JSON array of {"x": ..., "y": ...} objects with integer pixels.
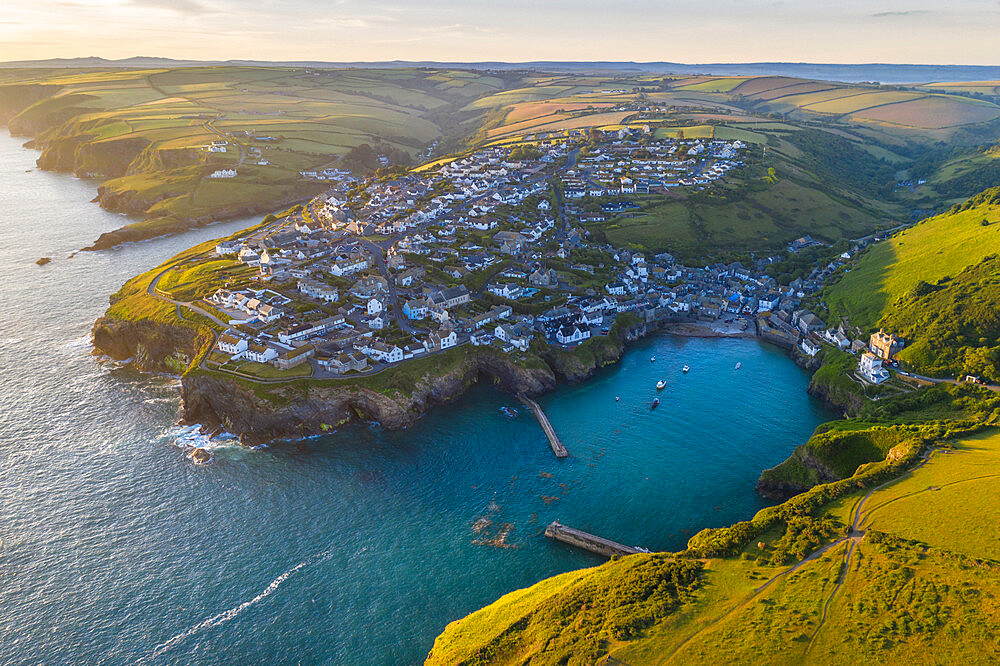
[
  {"x": 617, "y": 398},
  {"x": 509, "y": 412},
  {"x": 739, "y": 364},
  {"x": 661, "y": 384},
  {"x": 656, "y": 403},
  {"x": 685, "y": 368},
  {"x": 652, "y": 359}
]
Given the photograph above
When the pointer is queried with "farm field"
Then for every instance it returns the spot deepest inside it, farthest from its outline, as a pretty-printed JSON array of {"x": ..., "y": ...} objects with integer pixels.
[
  {"x": 144, "y": 132},
  {"x": 935, "y": 112},
  {"x": 984, "y": 87},
  {"x": 560, "y": 122}
]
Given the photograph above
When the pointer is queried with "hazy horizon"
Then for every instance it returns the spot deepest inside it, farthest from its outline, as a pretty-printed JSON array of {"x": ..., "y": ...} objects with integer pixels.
[{"x": 722, "y": 31}]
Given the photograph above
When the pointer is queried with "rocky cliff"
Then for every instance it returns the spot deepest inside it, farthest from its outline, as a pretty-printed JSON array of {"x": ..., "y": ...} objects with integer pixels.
[
  {"x": 262, "y": 413},
  {"x": 148, "y": 345}
]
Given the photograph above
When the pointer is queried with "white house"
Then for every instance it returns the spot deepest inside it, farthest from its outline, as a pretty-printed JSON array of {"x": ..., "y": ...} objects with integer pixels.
[
  {"x": 375, "y": 306},
  {"x": 268, "y": 313},
  {"x": 569, "y": 334},
  {"x": 318, "y": 290},
  {"x": 383, "y": 352},
  {"x": 224, "y": 248},
  {"x": 259, "y": 353},
  {"x": 223, "y": 173},
  {"x": 231, "y": 344},
  {"x": 871, "y": 368},
  {"x": 249, "y": 257},
  {"x": 808, "y": 347},
  {"x": 508, "y": 334}
]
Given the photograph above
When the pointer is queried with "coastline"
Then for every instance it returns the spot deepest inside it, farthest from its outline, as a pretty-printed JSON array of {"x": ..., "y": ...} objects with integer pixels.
[
  {"x": 130, "y": 204},
  {"x": 259, "y": 413}
]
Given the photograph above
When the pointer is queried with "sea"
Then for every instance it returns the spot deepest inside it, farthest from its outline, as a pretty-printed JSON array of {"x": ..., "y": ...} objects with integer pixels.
[{"x": 357, "y": 547}]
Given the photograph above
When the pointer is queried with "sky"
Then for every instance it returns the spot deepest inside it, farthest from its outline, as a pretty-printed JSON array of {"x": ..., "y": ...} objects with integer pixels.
[{"x": 840, "y": 31}]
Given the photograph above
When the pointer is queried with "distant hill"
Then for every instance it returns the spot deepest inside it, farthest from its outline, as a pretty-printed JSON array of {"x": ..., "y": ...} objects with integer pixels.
[{"x": 881, "y": 72}]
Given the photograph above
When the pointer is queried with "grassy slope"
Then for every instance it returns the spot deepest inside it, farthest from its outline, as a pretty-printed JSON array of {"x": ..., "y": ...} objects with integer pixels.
[
  {"x": 932, "y": 599},
  {"x": 142, "y": 131},
  {"x": 948, "y": 313}
]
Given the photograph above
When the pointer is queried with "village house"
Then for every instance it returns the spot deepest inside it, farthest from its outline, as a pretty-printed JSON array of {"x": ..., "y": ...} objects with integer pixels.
[
  {"x": 570, "y": 334},
  {"x": 293, "y": 357},
  {"x": 415, "y": 309},
  {"x": 259, "y": 353},
  {"x": 870, "y": 368},
  {"x": 318, "y": 290},
  {"x": 231, "y": 344},
  {"x": 884, "y": 345}
]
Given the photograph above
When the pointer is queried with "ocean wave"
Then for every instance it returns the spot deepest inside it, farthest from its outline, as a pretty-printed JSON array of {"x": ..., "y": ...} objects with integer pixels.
[
  {"x": 192, "y": 436},
  {"x": 228, "y": 615}
]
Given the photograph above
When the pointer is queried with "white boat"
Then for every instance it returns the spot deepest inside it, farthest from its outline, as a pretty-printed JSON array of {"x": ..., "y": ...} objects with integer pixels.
[
  {"x": 660, "y": 384},
  {"x": 739, "y": 364},
  {"x": 617, "y": 398},
  {"x": 686, "y": 368},
  {"x": 652, "y": 359}
]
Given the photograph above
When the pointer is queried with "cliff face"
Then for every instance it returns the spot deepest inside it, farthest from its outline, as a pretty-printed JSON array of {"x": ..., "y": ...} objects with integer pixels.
[
  {"x": 774, "y": 486},
  {"x": 846, "y": 402},
  {"x": 580, "y": 365},
  {"x": 297, "y": 410},
  {"x": 151, "y": 346}
]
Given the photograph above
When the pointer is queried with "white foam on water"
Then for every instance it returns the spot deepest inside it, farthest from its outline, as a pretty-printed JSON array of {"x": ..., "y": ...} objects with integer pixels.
[
  {"x": 228, "y": 615},
  {"x": 191, "y": 436}
]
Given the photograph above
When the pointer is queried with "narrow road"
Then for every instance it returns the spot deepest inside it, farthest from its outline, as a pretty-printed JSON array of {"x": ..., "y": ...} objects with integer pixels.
[
  {"x": 211, "y": 128},
  {"x": 376, "y": 251},
  {"x": 156, "y": 293}
]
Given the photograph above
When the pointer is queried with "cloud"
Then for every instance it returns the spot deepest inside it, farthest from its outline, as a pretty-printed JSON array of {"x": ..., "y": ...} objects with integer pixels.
[
  {"x": 179, "y": 6},
  {"x": 908, "y": 12}
]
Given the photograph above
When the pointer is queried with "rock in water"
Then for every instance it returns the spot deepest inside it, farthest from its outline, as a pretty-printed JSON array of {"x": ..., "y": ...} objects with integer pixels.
[
  {"x": 43, "y": 261},
  {"x": 199, "y": 456}
]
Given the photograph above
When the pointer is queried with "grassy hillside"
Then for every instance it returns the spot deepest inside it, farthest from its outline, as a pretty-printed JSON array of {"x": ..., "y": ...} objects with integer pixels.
[
  {"x": 934, "y": 283},
  {"x": 144, "y": 133},
  {"x": 807, "y": 182},
  {"x": 801, "y": 588}
]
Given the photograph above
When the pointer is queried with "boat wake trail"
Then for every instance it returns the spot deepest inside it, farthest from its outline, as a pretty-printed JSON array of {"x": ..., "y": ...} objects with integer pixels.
[{"x": 228, "y": 615}]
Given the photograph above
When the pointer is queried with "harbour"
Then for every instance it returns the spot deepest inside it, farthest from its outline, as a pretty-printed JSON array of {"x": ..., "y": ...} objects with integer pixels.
[{"x": 153, "y": 553}]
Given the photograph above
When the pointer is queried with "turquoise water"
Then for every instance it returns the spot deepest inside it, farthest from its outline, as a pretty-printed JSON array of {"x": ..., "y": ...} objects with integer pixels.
[{"x": 353, "y": 548}]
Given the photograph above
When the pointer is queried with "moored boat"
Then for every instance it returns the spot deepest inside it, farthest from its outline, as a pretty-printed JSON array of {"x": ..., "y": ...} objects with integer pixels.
[
  {"x": 656, "y": 403},
  {"x": 509, "y": 412},
  {"x": 685, "y": 368},
  {"x": 652, "y": 359},
  {"x": 739, "y": 364},
  {"x": 660, "y": 384}
]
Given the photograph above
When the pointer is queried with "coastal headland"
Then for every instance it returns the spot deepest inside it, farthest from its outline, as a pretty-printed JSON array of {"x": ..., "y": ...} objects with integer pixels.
[{"x": 537, "y": 253}]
